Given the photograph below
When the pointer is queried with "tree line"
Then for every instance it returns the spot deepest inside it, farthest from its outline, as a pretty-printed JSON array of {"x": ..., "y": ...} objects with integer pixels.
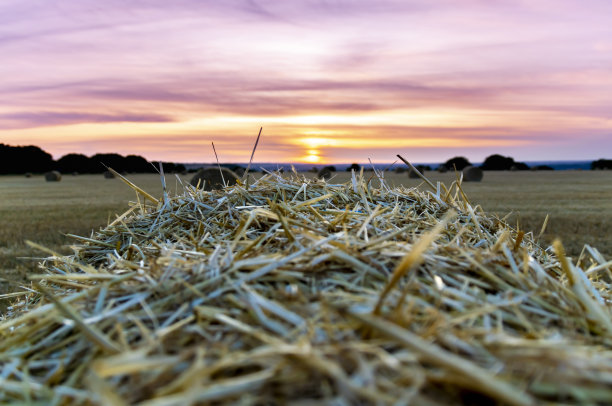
[
  {"x": 493, "y": 162},
  {"x": 32, "y": 159},
  {"x": 498, "y": 162}
]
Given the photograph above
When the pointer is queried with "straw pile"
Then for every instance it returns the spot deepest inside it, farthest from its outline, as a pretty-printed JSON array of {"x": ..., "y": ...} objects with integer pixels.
[{"x": 305, "y": 292}]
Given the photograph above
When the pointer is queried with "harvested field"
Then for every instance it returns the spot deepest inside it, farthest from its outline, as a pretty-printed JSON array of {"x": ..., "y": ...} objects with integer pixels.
[
  {"x": 35, "y": 210},
  {"x": 298, "y": 290}
]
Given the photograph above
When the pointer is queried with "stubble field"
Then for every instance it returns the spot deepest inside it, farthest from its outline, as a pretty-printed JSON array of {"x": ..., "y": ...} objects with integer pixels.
[{"x": 579, "y": 205}]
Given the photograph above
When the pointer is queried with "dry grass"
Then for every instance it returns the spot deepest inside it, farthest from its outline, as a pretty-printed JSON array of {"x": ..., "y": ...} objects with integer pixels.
[
  {"x": 36, "y": 210},
  {"x": 319, "y": 293}
]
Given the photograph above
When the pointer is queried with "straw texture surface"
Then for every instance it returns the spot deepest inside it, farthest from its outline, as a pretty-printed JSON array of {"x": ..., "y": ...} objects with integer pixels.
[{"x": 296, "y": 291}]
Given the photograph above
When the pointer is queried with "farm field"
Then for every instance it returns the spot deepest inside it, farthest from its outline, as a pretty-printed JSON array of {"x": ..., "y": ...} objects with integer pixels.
[{"x": 579, "y": 204}]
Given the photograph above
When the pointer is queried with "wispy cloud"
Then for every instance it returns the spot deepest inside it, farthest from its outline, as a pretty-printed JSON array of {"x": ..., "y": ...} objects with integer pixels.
[{"x": 47, "y": 118}]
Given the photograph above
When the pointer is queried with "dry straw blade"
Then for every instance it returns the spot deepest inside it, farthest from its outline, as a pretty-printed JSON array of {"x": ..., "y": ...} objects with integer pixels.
[
  {"x": 133, "y": 186},
  {"x": 480, "y": 378},
  {"x": 295, "y": 290}
]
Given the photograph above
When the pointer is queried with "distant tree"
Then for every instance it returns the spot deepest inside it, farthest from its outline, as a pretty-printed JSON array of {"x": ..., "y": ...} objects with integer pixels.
[
  {"x": 457, "y": 162},
  {"x": 115, "y": 161},
  {"x": 330, "y": 168},
  {"x": 542, "y": 168},
  {"x": 31, "y": 159},
  {"x": 520, "y": 166},
  {"x": 71, "y": 163},
  {"x": 22, "y": 159},
  {"x": 137, "y": 164},
  {"x": 423, "y": 168},
  {"x": 354, "y": 167},
  {"x": 601, "y": 164},
  {"x": 178, "y": 168},
  {"x": 497, "y": 163},
  {"x": 238, "y": 169}
]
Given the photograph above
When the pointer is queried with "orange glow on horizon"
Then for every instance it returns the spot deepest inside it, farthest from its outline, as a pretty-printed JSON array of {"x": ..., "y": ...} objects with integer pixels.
[{"x": 188, "y": 139}]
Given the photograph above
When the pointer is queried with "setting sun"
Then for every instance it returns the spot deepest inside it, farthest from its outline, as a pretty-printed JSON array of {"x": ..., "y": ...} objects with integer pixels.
[{"x": 313, "y": 159}]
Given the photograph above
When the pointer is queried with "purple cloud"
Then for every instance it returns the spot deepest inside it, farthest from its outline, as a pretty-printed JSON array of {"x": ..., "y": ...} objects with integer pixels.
[
  {"x": 531, "y": 69},
  {"x": 46, "y": 118}
]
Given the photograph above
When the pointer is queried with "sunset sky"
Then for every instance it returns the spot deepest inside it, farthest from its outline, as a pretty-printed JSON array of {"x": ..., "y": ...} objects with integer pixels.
[{"x": 329, "y": 81}]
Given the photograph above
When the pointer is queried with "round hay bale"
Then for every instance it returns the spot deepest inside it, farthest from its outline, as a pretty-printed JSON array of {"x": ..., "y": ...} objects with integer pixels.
[
  {"x": 413, "y": 175},
  {"x": 400, "y": 169},
  {"x": 442, "y": 168},
  {"x": 109, "y": 175},
  {"x": 472, "y": 174},
  {"x": 28, "y": 175},
  {"x": 325, "y": 173},
  {"x": 210, "y": 178},
  {"x": 53, "y": 176}
]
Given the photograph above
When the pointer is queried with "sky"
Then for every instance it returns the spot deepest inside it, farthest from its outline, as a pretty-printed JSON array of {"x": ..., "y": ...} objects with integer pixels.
[{"x": 329, "y": 81}]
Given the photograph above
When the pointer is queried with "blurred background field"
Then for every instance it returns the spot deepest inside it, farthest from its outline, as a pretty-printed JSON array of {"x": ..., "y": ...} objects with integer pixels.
[{"x": 579, "y": 204}]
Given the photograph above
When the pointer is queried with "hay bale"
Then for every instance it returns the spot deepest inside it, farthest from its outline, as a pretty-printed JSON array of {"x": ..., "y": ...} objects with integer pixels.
[
  {"x": 325, "y": 173},
  {"x": 210, "y": 178},
  {"x": 28, "y": 174},
  {"x": 109, "y": 175},
  {"x": 442, "y": 168},
  {"x": 413, "y": 175},
  {"x": 53, "y": 176},
  {"x": 400, "y": 169},
  {"x": 421, "y": 168},
  {"x": 472, "y": 174},
  {"x": 298, "y": 291}
]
